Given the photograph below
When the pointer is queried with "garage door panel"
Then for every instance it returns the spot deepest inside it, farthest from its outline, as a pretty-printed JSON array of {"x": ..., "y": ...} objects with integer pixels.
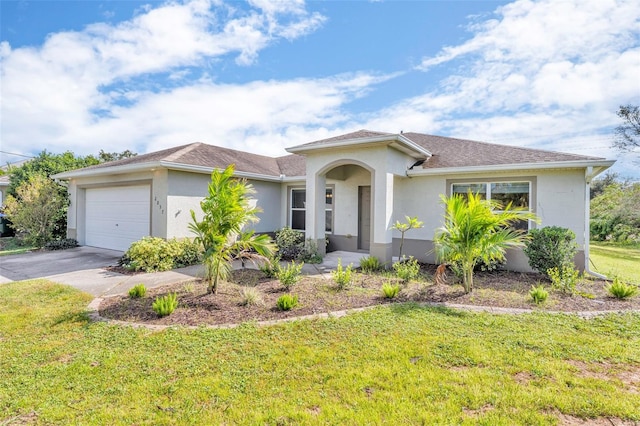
[{"x": 117, "y": 216}]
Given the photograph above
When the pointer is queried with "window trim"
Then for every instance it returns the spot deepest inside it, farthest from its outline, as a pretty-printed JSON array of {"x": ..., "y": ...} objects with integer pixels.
[
  {"x": 531, "y": 180},
  {"x": 291, "y": 209}
]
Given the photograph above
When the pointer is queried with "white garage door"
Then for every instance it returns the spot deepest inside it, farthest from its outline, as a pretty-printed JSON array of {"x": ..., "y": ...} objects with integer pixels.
[{"x": 117, "y": 216}]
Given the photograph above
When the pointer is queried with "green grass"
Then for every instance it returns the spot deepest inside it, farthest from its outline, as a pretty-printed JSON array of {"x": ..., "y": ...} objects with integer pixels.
[
  {"x": 11, "y": 245},
  {"x": 611, "y": 260},
  {"x": 399, "y": 364}
]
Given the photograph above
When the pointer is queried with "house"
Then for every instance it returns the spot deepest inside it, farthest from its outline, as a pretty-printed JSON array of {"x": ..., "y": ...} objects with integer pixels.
[{"x": 349, "y": 188}]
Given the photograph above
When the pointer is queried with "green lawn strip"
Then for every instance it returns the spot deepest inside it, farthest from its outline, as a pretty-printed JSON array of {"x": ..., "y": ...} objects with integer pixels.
[
  {"x": 11, "y": 245},
  {"x": 395, "y": 364},
  {"x": 615, "y": 260}
]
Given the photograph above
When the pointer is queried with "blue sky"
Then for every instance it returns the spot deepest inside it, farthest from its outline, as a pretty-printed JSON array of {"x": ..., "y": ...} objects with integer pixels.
[{"x": 262, "y": 75}]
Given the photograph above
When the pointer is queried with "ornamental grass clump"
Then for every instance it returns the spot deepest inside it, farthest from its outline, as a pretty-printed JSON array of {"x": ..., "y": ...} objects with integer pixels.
[
  {"x": 390, "y": 291},
  {"x": 538, "y": 294},
  {"x": 165, "y": 305},
  {"x": 621, "y": 290},
  {"x": 137, "y": 291},
  {"x": 370, "y": 264},
  {"x": 286, "y": 302},
  {"x": 251, "y": 296},
  {"x": 342, "y": 276}
]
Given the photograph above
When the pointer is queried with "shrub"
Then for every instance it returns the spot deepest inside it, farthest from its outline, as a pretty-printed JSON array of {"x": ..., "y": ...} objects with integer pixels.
[
  {"x": 270, "y": 267},
  {"x": 389, "y": 291},
  {"x": 138, "y": 290},
  {"x": 152, "y": 254},
  {"x": 370, "y": 264},
  {"x": 290, "y": 243},
  {"x": 538, "y": 294},
  {"x": 564, "y": 278},
  {"x": 165, "y": 305},
  {"x": 290, "y": 274},
  {"x": 621, "y": 290},
  {"x": 342, "y": 276},
  {"x": 64, "y": 244},
  {"x": 286, "y": 302},
  {"x": 407, "y": 269},
  {"x": 251, "y": 296},
  {"x": 550, "y": 247}
]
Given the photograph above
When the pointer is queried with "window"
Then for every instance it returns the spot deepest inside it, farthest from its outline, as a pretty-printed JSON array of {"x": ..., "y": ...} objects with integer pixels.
[
  {"x": 298, "y": 209},
  {"x": 516, "y": 193}
]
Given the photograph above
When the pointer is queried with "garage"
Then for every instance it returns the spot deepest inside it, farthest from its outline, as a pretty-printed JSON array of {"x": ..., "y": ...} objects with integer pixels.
[{"x": 117, "y": 216}]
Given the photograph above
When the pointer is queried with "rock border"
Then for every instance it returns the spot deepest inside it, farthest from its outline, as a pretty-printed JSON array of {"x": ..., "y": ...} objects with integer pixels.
[{"x": 93, "y": 310}]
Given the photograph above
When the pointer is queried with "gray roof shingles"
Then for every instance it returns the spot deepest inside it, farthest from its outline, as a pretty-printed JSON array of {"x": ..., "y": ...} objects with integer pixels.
[{"x": 447, "y": 152}]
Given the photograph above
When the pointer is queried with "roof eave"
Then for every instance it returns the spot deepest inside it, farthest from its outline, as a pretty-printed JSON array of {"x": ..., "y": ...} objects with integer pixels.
[
  {"x": 576, "y": 164},
  {"x": 397, "y": 141},
  {"x": 150, "y": 166}
]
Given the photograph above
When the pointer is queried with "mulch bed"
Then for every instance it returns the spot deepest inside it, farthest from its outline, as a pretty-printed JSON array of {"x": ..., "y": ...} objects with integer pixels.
[{"x": 320, "y": 295}]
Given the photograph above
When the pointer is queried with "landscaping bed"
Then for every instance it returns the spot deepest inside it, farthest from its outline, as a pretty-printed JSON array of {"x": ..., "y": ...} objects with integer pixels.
[{"x": 319, "y": 294}]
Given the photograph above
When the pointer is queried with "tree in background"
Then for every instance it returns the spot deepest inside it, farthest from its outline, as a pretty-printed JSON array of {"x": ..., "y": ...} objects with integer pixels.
[
  {"x": 628, "y": 133},
  {"x": 615, "y": 213},
  {"x": 227, "y": 210},
  {"x": 477, "y": 230},
  {"x": 106, "y": 157},
  {"x": 35, "y": 209}
]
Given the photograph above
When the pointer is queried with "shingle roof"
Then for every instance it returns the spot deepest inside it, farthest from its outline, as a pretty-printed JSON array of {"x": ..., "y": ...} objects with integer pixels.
[
  {"x": 446, "y": 153},
  {"x": 452, "y": 152},
  {"x": 201, "y": 154}
]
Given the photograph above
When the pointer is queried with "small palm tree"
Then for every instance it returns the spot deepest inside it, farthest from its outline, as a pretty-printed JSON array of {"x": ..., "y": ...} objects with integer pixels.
[
  {"x": 227, "y": 210},
  {"x": 411, "y": 223},
  {"x": 477, "y": 229}
]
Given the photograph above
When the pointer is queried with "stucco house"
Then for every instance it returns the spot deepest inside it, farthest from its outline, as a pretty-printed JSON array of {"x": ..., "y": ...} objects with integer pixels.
[{"x": 349, "y": 188}]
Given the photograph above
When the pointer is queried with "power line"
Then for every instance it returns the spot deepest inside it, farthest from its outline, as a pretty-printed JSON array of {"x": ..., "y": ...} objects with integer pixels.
[{"x": 19, "y": 155}]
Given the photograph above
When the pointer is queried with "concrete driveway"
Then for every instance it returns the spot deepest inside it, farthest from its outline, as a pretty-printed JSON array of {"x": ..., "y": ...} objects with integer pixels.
[{"x": 43, "y": 264}]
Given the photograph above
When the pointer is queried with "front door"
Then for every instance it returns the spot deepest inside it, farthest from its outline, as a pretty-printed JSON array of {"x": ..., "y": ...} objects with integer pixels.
[{"x": 364, "y": 217}]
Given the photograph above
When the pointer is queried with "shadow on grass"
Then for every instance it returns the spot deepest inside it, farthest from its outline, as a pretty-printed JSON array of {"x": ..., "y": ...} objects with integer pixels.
[{"x": 78, "y": 317}]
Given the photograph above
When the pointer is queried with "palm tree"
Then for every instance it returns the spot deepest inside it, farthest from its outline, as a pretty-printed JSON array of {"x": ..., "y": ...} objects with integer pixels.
[
  {"x": 477, "y": 229},
  {"x": 227, "y": 210}
]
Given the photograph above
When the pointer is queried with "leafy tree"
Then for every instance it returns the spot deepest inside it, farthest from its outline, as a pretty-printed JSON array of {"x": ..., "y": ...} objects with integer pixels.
[
  {"x": 615, "y": 214},
  {"x": 105, "y": 157},
  {"x": 477, "y": 230},
  {"x": 411, "y": 223},
  {"x": 36, "y": 209},
  {"x": 598, "y": 185},
  {"x": 227, "y": 210},
  {"x": 628, "y": 133}
]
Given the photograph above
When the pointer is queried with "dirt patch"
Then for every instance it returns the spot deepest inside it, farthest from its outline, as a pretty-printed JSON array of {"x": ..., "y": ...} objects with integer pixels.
[
  {"x": 569, "y": 420},
  {"x": 318, "y": 294},
  {"x": 627, "y": 374}
]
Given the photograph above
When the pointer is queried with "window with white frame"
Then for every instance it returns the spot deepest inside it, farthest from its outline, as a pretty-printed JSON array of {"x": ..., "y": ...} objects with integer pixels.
[
  {"x": 299, "y": 207},
  {"x": 516, "y": 193}
]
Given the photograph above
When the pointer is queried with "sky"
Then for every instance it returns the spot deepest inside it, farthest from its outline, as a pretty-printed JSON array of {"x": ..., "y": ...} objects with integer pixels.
[{"x": 263, "y": 75}]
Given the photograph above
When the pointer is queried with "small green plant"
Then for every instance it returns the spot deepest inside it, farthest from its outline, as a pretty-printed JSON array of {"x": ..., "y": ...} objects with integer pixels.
[
  {"x": 564, "y": 278},
  {"x": 290, "y": 274},
  {"x": 342, "y": 276},
  {"x": 189, "y": 287},
  {"x": 407, "y": 269},
  {"x": 389, "y": 291},
  {"x": 286, "y": 302},
  {"x": 370, "y": 264},
  {"x": 411, "y": 223},
  {"x": 251, "y": 296},
  {"x": 621, "y": 290},
  {"x": 137, "y": 291},
  {"x": 270, "y": 267},
  {"x": 165, "y": 305},
  {"x": 538, "y": 294}
]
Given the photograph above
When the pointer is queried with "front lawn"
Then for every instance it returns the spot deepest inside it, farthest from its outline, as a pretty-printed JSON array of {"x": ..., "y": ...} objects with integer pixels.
[
  {"x": 611, "y": 260},
  {"x": 398, "y": 364},
  {"x": 12, "y": 245}
]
